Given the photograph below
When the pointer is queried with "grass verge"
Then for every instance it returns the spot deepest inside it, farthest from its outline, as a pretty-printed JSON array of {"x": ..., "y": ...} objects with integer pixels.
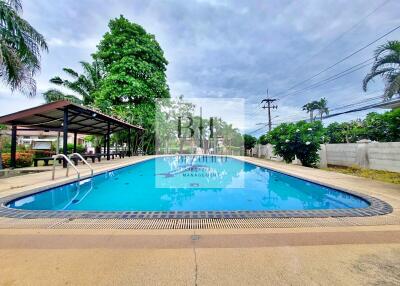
[{"x": 384, "y": 176}]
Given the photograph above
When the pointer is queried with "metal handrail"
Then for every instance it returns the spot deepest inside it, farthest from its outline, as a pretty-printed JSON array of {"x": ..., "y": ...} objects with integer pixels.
[
  {"x": 55, "y": 157},
  {"x": 83, "y": 160}
]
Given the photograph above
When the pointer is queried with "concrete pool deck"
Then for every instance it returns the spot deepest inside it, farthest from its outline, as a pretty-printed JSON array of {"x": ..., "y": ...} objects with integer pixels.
[{"x": 295, "y": 251}]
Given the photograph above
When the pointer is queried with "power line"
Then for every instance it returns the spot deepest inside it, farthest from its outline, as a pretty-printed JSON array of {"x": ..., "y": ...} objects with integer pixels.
[
  {"x": 375, "y": 105},
  {"x": 341, "y": 60},
  {"x": 353, "y": 104},
  {"x": 342, "y": 34},
  {"x": 255, "y": 131},
  {"x": 366, "y": 107},
  {"x": 331, "y": 78},
  {"x": 379, "y": 97}
]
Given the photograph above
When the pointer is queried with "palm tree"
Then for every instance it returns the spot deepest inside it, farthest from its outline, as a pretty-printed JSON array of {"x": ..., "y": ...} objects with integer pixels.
[
  {"x": 387, "y": 65},
  {"x": 20, "y": 47},
  {"x": 310, "y": 107},
  {"x": 82, "y": 84},
  {"x": 322, "y": 107}
]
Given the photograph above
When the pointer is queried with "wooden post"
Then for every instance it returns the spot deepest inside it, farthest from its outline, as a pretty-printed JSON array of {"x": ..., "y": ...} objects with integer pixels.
[
  {"x": 65, "y": 135},
  {"x": 13, "y": 146},
  {"x": 108, "y": 141},
  {"x": 75, "y": 138},
  {"x": 129, "y": 143}
]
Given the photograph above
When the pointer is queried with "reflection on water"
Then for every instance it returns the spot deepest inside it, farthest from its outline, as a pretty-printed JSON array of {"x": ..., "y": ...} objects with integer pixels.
[
  {"x": 188, "y": 183},
  {"x": 200, "y": 171}
]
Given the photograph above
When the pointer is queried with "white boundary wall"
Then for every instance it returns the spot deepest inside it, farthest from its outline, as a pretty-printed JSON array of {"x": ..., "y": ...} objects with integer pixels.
[
  {"x": 364, "y": 154},
  {"x": 265, "y": 151}
]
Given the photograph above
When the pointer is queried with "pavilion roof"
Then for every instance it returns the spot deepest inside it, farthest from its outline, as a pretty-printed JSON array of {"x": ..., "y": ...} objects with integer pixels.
[{"x": 81, "y": 119}]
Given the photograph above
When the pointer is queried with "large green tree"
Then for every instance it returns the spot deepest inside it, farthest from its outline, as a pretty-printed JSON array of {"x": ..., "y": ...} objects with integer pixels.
[
  {"x": 135, "y": 67},
  {"x": 20, "y": 47},
  {"x": 386, "y": 65},
  {"x": 84, "y": 85}
]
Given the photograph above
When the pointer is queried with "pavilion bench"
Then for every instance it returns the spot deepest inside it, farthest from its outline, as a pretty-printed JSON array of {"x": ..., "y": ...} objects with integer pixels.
[
  {"x": 76, "y": 159},
  {"x": 47, "y": 159},
  {"x": 120, "y": 154},
  {"x": 93, "y": 157},
  {"x": 44, "y": 159}
]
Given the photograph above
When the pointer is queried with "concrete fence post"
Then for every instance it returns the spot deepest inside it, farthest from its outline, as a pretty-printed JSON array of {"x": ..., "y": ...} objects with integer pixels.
[
  {"x": 362, "y": 159},
  {"x": 271, "y": 152},
  {"x": 323, "y": 160}
]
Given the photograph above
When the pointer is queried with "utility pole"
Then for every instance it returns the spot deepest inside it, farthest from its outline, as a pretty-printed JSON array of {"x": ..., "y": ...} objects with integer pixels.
[{"x": 268, "y": 105}]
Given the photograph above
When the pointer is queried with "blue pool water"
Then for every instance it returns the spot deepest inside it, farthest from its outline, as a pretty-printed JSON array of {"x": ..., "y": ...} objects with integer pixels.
[{"x": 190, "y": 183}]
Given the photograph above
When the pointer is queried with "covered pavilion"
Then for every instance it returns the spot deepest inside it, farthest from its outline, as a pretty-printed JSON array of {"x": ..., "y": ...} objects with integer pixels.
[{"x": 67, "y": 117}]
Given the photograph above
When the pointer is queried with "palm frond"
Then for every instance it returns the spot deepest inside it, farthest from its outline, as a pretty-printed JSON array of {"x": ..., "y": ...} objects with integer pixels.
[
  {"x": 393, "y": 87},
  {"x": 54, "y": 95},
  {"x": 389, "y": 60},
  {"x": 20, "y": 48},
  {"x": 84, "y": 84},
  {"x": 15, "y": 5},
  {"x": 387, "y": 65},
  {"x": 374, "y": 74},
  {"x": 390, "y": 46},
  {"x": 57, "y": 80},
  {"x": 71, "y": 72}
]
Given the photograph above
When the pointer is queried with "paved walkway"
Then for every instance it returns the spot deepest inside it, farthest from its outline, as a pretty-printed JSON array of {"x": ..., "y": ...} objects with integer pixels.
[
  {"x": 345, "y": 256},
  {"x": 329, "y": 255}
]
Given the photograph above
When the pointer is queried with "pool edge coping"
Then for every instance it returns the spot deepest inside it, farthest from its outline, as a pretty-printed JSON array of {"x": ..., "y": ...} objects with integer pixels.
[{"x": 376, "y": 206}]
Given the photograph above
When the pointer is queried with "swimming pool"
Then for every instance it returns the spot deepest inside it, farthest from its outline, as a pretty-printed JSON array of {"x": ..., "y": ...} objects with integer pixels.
[{"x": 183, "y": 184}]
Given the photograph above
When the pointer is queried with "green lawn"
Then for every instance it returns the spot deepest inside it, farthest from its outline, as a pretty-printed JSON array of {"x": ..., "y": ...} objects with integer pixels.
[{"x": 384, "y": 176}]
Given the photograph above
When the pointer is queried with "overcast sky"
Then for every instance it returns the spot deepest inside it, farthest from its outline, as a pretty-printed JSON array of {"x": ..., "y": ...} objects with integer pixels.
[{"x": 226, "y": 49}]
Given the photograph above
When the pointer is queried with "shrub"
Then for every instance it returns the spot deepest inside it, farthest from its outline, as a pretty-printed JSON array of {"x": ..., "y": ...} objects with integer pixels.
[
  {"x": 301, "y": 140},
  {"x": 249, "y": 141},
  {"x": 263, "y": 140},
  {"x": 41, "y": 153},
  {"x": 21, "y": 148},
  {"x": 382, "y": 127},
  {"x": 21, "y": 160},
  {"x": 70, "y": 148}
]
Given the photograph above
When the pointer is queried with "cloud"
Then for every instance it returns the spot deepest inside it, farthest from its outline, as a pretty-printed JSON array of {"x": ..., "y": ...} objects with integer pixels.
[
  {"x": 88, "y": 43},
  {"x": 228, "y": 49}
]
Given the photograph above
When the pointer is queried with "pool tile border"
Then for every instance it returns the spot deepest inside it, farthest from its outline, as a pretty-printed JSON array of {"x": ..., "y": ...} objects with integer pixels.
[{"x": 376, "y": 207}]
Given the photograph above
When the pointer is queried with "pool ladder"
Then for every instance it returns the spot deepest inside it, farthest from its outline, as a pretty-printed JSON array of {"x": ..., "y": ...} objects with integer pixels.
[{"x": 69, "y": 162}]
